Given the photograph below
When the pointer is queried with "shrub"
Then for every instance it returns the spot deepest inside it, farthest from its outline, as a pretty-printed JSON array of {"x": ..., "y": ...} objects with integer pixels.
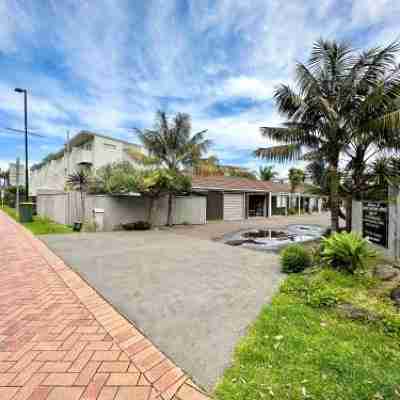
[
  {"x": 347, "y": 251},
  {"x": 142, "y": 226},
  {"x": 137, "y": 226},
  {"x": 293, "y": 211},
  {"x": 295, "y": 258},
  {"x": 10, "y": 195}
]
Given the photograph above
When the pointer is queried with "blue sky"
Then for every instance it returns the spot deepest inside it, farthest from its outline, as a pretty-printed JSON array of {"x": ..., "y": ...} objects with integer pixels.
[{"x": 108, "y": 65}]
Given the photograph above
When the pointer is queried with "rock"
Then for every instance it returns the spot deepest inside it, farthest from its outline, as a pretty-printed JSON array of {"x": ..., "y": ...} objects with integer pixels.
[
  {"x": 385, "y": 272},
  {"x": 352, "y": 312},
  {"x": 395, "y": 295}
]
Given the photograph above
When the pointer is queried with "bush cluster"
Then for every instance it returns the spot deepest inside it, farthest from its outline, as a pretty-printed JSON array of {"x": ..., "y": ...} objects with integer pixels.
[{"x": 295, "y": 258}]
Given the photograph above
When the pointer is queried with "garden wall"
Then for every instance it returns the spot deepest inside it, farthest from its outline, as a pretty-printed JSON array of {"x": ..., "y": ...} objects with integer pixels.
[
  {"x": 393, "y": 223},
  {"x": 65, "y": 208}
]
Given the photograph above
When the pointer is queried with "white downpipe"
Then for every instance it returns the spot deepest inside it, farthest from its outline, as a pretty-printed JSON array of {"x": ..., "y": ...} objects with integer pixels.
[{"x": 270, "y": 205}]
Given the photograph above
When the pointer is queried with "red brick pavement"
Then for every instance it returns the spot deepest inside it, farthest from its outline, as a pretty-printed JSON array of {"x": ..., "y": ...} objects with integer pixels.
[{"x": 60, "y": 340}]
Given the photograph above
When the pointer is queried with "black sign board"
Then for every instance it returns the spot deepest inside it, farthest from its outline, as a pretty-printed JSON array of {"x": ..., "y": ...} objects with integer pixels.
[{"x": 375, "y": 222}]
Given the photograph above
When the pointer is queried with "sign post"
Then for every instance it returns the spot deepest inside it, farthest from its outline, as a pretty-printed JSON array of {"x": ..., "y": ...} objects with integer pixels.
[{"x": 375, "y": 222}]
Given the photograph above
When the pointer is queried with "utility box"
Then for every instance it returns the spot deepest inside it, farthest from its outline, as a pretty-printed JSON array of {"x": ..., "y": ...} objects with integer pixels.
[
  {"x": 98, "y": 218},
  {"x": 26, "y": 212}
]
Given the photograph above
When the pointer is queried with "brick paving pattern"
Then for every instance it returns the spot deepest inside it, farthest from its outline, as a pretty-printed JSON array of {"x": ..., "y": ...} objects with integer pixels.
[{"x": 60, "y": 340}]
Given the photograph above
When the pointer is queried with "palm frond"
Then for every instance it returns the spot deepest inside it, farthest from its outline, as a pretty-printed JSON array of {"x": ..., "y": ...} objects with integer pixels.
[
  {"x": 281, "y": 154},
  {"x": 389, "y": 121}
]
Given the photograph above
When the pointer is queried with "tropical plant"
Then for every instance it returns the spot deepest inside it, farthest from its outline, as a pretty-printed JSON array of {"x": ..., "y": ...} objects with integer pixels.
[
  {"x": 79, "y": 181},
  {"x": 296, "y": 178},
  {"x": 295, "y": 258},
  {"x": 330, "y": 111},
  {"x": 156, "y": 183},
  {"x": 115, "y": 178},
  {"x": 346, "y": 251},
  {"x": 240, "y": 172},
  {"x": 267, "y": 173},
  {"x": 171, "y": 145},
  {"x": 209, "y": 166}
]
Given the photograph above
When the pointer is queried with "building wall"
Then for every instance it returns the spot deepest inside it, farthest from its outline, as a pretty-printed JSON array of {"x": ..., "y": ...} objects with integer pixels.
[
  {"x": 95, "y": 153},
  {"x": 65, "y": 208}
]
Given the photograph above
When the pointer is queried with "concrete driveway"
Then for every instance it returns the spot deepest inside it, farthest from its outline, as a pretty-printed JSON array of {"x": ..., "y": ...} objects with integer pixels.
[
  {"x": 193, "y": 298},
  {"x": 214, "y": 230}
]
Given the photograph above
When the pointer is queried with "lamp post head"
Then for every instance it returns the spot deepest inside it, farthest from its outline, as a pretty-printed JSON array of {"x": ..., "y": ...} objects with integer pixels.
[{"x": 19, "y": 90}]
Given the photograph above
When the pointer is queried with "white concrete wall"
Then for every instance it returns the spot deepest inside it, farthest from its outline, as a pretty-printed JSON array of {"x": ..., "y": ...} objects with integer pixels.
[{"x": 65, "y": 208}]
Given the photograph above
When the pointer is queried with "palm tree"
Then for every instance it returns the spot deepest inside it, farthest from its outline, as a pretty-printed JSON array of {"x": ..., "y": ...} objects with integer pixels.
[
  {"x": 296, "y": 178},
  {"x": 267, "y": 173},
  {"x": 336, "y": 88},
  {"x": 79, "y": 181},
  {"x": 171, "y": 145}
]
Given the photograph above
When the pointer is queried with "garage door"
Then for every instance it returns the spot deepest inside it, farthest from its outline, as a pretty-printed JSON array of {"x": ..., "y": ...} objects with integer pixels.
[{"x": 233, "y": 207}]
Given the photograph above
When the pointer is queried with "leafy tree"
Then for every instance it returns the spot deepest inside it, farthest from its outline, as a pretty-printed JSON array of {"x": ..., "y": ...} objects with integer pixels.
[
  {"x": 329, "y": 110},
  {"x": 156, "y": 183},
  {"x": 231, "y": 170},
  {"x": 267, "y": 173},
  {"x": 208, "y": 167},
  {"x": 124, "y": 178},
  {"x": 172, "y": 146},
  {"x": 296, "y": 178},
  {"x": 211, "y": 167},
  {"x": 79, "y": 181}
]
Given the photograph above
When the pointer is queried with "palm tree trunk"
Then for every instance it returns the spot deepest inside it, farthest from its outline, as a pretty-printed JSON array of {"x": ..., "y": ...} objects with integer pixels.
[
  {"x": 334, "y": 195},
  {"x": 349, "y": 210},
  {"x": 169, "y": 217}
]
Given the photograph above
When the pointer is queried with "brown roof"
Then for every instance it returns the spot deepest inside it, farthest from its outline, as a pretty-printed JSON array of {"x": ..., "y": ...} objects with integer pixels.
[{"x": 228, "y": 183}]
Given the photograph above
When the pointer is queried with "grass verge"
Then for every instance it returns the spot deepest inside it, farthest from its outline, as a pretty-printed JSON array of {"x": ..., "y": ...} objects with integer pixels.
[
  {"x": 39, "y": 226},
  {"x": 302, "y": 347}
]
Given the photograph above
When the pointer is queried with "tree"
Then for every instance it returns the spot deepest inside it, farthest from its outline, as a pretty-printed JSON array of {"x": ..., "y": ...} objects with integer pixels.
[
  {"x": 208, "y": 167},
  {"x": 79, "y": 181},
  {"x": 296, "y": 178},
  {"x": 171, "y": 145},
  {"x": 267, "y": 173},
  {"x": 329, "y": 109}
]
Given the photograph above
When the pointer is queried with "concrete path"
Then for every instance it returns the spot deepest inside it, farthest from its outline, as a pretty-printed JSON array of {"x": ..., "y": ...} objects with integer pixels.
[
  {"x": 194, "y": 298},
  {"x": 216, "y": 229},
  {"x": 59, "y": 340}
]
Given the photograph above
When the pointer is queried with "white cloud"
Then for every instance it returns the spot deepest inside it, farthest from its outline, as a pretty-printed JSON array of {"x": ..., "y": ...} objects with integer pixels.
[
  {"x": 246, "y": 86},
  {"x": 368, "y": 12},
  {"x": 105, "y": 65}
]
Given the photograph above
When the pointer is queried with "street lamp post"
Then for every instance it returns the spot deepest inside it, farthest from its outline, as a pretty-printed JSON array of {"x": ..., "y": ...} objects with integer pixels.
[{"x": 24, "y": 91}]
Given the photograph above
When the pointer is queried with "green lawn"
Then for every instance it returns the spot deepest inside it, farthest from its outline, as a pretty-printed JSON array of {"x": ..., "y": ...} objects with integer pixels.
[
  {"x": 39, "y": 226},
  {"x": 301, "y": 347}
]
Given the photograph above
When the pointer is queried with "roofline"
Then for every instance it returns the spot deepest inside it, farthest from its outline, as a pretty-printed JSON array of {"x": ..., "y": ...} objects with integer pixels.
[
  {"x": 255, "y": 190},
  {"x": 230, "y": 190},
  {"x": 93, "y": 134}
]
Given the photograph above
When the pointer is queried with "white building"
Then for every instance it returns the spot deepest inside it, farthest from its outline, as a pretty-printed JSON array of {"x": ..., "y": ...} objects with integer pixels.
[{"x": 85, "y": 150}]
